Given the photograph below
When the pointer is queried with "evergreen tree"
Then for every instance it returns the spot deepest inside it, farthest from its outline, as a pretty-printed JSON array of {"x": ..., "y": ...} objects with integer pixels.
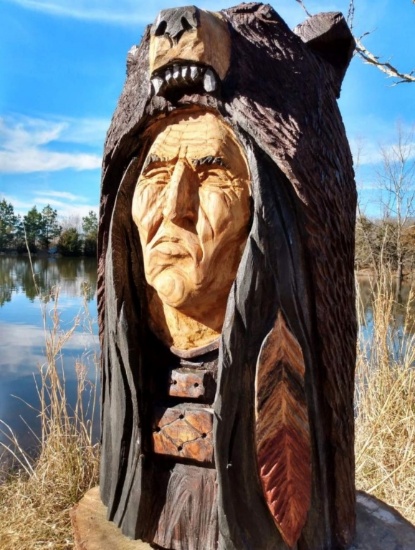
[
  {"x": 8, "y": 225},
  {"x": 90, "y": 223},
  {"x": 33, "y": 226},
  {"x": 90, "y": 229},
  {"x": 70, "y": 243},
  {"x": 50, "y": 229}
]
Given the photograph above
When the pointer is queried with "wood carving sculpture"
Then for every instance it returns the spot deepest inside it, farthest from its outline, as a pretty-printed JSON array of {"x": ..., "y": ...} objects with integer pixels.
[{"x": 226, "y": 294}]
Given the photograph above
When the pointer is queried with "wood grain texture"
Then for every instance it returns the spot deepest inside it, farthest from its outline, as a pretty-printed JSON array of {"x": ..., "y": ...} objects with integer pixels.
[
  {"x": 329, "y": 35},
  {"x": 184, "y": 432},
  {"x": 279, "y": 98},
  {"x": 191, "y": 207},
  {"x": 283, "y": 431},
  {"x": 188, "y": 520},
  {"x": 208, "y": 44},
  {"x": 192, "y": 384}
]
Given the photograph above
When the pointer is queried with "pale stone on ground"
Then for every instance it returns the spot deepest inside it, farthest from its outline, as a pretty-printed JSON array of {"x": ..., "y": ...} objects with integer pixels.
[{"x": 380, "y": 527}]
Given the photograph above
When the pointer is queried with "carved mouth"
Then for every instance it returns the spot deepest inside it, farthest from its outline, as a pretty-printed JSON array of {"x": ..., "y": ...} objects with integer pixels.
[
  {"x": 165, "y": 240},
  {"x": 170, "y": 246},
  {"x": 174, "y": 246},
  {"x": 183, "y": 77}
]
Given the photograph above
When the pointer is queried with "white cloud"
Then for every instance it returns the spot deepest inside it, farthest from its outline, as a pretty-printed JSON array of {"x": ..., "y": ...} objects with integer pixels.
[
  {"x": 26, "y": 144},
  {"x": 134, "y": 12},
  {"x": 380, "y": 137},
  {"x": 61, "y": 195},
  {"x": 21, "y": 359},
  {"x": 119, "y": 12},
  {"x": 79, "y": 211},
  {"x": 372, "y": 153},
  {"x": 70, "y": 207},
  {"x": 86, "y": 131},
  {"x": 35, "y": 160}
]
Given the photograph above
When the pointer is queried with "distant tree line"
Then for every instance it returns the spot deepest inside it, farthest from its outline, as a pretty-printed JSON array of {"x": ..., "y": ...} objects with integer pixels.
[
  {"x": 385, "y": 243},
  {"x": 389, "y": 242},
  {"x": 40, "y": 230}
]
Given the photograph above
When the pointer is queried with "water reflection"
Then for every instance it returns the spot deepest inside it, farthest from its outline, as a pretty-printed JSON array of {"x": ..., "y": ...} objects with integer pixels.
[
  {"x": 22, "y": 333},
  {"x": 29, "y": 303},
  {"x": 70, "y": 274},
  {"x": 386, "y": 323},
  {"x": 403, "y": 307}
]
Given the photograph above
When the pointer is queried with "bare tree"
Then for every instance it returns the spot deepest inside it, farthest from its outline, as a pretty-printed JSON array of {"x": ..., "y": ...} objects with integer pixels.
[
  {"x": 72, "y": 221},
  {"x": 397, "y": 178}
]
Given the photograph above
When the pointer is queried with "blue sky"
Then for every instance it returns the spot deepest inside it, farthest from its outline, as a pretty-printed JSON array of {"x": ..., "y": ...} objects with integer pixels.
[{"x": 62, "y": 68}]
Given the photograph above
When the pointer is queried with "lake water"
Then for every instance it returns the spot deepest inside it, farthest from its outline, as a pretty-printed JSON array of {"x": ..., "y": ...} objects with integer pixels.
[
  {"x": 22, "y": 332},
  {"x": 27, "y": 302}
]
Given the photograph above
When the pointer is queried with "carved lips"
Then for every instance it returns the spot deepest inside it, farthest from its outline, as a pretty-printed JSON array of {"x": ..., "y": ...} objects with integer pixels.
[{"x": 171, "y": 246}]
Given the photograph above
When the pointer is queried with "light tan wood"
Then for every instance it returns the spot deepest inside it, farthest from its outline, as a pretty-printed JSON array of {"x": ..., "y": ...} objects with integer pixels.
[
  {"x": 92, "y": 530},
  {"x": 187, "y": 383},
  {"x": 191, "y": 206},
  {"x": 208, "y": 44},
  {"x": 180, "y": 330}
]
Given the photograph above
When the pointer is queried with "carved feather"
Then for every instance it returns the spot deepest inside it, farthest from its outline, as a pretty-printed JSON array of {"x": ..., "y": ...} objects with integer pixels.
[{"x": 282, "y": 431}]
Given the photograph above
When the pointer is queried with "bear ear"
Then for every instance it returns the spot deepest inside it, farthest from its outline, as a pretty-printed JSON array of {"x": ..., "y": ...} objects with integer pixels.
[{"x": 328, "y": 35}]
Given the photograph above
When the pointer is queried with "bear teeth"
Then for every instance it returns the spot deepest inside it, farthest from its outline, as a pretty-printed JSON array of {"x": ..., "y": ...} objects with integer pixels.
[{"x": 184, "y": 75}]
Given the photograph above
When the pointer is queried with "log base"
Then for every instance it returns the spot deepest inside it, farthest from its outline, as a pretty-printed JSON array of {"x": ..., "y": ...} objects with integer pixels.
[
  {"x": 379, "y": 527},
  {"x": 92, "y": 530}
]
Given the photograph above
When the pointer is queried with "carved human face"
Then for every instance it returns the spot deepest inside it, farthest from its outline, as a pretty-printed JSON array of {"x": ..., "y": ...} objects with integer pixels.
[{"x": 191, "y": 208}]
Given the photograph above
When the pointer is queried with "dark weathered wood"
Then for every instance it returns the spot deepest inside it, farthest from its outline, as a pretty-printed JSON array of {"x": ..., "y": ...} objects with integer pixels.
[
  {"x": 186, "y": 521},
  {"x": 279, "y": 96},
  {"x": 329, "y": 36}
]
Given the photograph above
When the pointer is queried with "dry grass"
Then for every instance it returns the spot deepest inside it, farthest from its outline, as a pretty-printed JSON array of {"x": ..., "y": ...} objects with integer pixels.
[
  {"x": 385, "y": 402},
  {"x": 36, "y": 499}
]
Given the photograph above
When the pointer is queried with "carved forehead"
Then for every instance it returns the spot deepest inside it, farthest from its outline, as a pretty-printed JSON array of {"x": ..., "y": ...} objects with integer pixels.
[{"x": 195, "y": 136}]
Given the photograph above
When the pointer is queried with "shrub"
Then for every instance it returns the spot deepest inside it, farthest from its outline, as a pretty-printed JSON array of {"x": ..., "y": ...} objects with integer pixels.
[{"x": 70, "y": 243}]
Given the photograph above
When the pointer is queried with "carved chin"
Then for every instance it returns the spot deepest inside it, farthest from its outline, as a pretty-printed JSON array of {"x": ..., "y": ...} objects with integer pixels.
[{"x": 171, "y": 288}]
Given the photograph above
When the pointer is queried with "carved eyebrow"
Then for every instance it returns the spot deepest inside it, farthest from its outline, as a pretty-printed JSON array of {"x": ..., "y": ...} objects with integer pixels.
[
  {"x": 151, "y": 159},
  {"x": 210, "y": 160}
]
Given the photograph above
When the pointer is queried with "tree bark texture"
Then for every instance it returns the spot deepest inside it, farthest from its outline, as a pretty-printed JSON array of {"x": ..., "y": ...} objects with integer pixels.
[{"x": 294, "y": 286}]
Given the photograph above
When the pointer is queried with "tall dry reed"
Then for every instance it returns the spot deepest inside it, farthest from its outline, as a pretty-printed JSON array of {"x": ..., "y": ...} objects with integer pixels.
[
  {"x": 385, "y": 399},
  {"x": 35, "y": 497}
]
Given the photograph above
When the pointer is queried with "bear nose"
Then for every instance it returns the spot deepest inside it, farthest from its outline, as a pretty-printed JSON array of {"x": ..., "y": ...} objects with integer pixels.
[{"x": 174, "y": 22}]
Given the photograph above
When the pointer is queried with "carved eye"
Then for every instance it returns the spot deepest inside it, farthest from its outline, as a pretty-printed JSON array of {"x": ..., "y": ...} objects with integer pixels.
[
  {"x": 157, "y": 175},
  {"x": 214, "y": 176}
]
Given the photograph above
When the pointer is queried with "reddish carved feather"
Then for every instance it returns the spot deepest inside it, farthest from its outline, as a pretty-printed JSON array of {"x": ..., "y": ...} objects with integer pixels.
[{"x": 282, "y": 431}]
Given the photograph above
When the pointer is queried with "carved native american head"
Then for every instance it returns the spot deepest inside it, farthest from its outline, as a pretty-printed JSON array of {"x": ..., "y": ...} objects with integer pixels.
[{"x": 226, "y": 293}]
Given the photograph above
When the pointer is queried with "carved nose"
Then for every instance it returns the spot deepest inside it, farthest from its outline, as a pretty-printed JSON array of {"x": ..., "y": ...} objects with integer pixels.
[
  {"x": 174, "y": 22},
  {"x": 180, "y": 198}
]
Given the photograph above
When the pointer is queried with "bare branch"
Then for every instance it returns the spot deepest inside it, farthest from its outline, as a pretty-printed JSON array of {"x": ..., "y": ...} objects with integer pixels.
[
  {"x": 367, "y": 56},
  {"x": 350, "y": 14},
  {"x": 304, "y": 8},
  {"x": 384, "y": 66}
]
